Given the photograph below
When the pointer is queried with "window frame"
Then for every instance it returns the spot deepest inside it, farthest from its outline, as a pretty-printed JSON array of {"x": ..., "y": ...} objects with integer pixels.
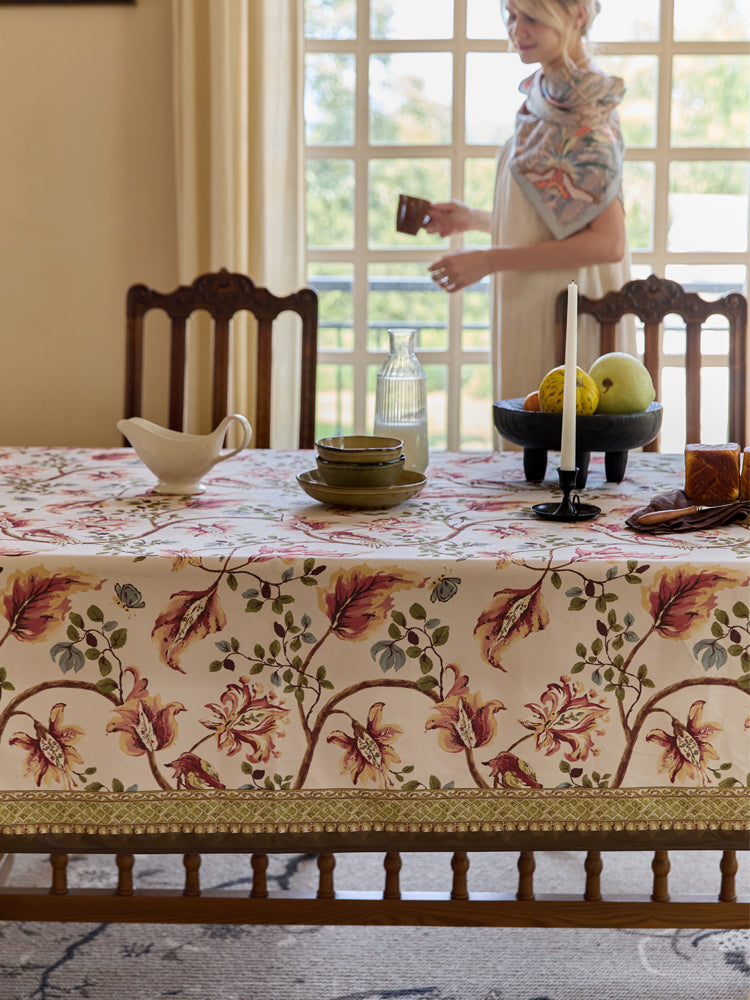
[{"x": 658, "y": 258}]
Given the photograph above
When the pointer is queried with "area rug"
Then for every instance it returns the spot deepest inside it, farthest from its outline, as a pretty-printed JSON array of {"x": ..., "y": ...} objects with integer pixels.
[{"x": 49, "y": 961}]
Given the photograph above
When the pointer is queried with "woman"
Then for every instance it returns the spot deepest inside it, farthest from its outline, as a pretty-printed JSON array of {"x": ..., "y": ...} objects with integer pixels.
[{"x": 558, "y": 214}]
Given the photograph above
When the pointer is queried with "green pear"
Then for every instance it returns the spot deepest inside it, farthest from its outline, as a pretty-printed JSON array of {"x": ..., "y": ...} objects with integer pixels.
[{"x": 624, "y": 384}]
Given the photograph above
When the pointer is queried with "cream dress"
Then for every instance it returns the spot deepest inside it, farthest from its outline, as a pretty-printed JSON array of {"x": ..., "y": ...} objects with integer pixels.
[{"x": 523, "y": 302}]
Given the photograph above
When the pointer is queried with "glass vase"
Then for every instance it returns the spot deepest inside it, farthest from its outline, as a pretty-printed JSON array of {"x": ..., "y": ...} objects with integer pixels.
[{"x": 401, "y": 399}]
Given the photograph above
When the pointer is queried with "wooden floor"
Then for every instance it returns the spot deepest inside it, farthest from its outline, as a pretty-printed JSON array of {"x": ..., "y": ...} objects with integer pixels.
[{"x": 125, "y": 902}]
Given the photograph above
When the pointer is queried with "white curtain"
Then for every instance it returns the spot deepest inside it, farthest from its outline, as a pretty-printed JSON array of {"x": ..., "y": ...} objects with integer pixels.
[{"x": 238, "y": 98}]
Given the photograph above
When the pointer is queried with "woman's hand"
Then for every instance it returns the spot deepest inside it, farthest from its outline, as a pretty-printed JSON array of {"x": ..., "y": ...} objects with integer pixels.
[
  {"x": 449, "y": 217},
  {"x": 456, "y": 270}
]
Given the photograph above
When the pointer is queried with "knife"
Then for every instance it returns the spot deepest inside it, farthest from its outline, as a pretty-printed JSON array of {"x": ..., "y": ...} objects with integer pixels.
[{"x": 661, "y": 516}]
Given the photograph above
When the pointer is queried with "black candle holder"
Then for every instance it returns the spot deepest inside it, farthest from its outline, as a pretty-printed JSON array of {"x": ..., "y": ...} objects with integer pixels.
[{"x": 569, "y": 508}]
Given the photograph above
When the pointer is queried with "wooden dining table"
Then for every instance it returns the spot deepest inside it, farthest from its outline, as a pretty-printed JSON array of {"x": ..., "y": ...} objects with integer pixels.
[{"x": 247, "y": 670}]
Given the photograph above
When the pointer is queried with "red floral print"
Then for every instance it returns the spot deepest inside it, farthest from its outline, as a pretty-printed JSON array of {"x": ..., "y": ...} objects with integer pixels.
[
  {"x": 51, "y": 752},
  {"x": 36, "y": 601},
  {"x": 359, "y": 599},
  {"x": 189, "y": 616},
  {"x": 512, "y": 615},
  {"x": 193, "y": 771},
  {"x": 463, "y": 720},
  {"x": 680, "y": 602},
  {"x": 687, "y": 750},
  {"x": 510, "y": 771},
  {"x": 567, "y": 715},
  {"x": 247, "y": 718},
  {"x": 144, "y": 724},
  {"x": 369, "y": 754}
]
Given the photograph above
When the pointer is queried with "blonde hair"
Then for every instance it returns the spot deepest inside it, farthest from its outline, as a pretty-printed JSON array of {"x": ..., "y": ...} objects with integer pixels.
[{"x": 559, "y": 15}]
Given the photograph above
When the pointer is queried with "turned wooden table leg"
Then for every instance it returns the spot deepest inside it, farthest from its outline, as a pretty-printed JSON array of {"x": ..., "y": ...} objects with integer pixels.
[
  {"x": 259, "y": 864},
  {"x": 460, "y": 866},
  {"x": 392, "y": 865},
  {"x": 59, "y": 864},
  {"x": 728, "y": 866},
  {"x": 125, "y": 864},
  {"x": 526, "y": 866},
  {"x": 6, "y": 863},
  {"x": 192, "y": 863},
  {"x": 660, "y": 867},
  {"x": 593, "y": 866},
  {"x": 326, "y": 864}
]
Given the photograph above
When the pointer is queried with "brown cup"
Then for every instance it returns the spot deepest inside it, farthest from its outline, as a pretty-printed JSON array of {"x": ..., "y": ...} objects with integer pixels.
[{"x": 412, "y": 214}]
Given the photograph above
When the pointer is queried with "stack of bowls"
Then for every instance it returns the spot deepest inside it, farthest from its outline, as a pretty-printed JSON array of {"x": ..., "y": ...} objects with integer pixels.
[{"x": 360, "y": 460}]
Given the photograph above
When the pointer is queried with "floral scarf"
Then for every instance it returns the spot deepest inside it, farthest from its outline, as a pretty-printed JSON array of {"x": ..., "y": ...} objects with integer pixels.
[{"x": 568, "y": 150}]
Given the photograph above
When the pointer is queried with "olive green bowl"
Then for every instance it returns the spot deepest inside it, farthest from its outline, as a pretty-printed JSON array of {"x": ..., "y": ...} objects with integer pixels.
[
  {"x": 408, "y": 486},
  {"x": 359, "y": 448},
  {"x": 364, "y": 474}
]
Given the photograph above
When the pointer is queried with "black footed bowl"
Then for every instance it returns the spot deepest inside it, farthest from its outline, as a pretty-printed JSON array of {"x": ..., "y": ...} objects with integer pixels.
[{"x": 613, "y": 433}]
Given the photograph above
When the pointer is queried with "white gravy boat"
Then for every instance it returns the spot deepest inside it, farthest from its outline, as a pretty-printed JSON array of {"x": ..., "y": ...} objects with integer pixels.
[{"x": 179, "y": 461}]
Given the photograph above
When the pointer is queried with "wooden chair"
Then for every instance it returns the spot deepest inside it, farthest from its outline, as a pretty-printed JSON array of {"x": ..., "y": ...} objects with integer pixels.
[
  {"x": 651, "y": 300},
  {"x": 221, "y": 295}
]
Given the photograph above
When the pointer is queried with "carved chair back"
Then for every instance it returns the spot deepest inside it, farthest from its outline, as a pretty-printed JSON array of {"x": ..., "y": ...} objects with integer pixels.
[
  {"x": 222, "y": 295},
  {"x": 652, "y": 300}
]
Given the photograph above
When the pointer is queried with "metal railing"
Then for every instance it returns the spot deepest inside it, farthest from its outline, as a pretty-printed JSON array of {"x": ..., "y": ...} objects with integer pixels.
[
  {"x": 421, "y": 284},
  {"x": 714, "y": 355}
]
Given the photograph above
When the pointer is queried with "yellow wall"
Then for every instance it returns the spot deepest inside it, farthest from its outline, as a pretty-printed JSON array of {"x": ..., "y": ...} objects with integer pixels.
[{"x": 87, "y": 207}]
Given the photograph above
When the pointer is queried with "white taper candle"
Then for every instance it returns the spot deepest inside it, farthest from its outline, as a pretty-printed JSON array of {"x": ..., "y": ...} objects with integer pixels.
[{"x": 568, "y": 443}]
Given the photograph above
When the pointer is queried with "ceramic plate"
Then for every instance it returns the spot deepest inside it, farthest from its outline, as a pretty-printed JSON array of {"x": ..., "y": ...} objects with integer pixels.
[{"x": 408, "y": 486}]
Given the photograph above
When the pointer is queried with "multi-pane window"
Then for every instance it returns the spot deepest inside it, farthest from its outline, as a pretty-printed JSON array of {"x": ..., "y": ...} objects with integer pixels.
[{"x": 415, "y": 96}]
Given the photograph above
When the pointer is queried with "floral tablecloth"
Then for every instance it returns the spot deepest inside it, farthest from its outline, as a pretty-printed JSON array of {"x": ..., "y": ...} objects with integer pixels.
[{"x": 248, "y": 659}]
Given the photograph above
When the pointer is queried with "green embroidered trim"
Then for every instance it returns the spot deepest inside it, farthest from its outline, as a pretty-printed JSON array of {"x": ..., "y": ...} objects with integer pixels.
[{"x": 346, "y": 810}]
